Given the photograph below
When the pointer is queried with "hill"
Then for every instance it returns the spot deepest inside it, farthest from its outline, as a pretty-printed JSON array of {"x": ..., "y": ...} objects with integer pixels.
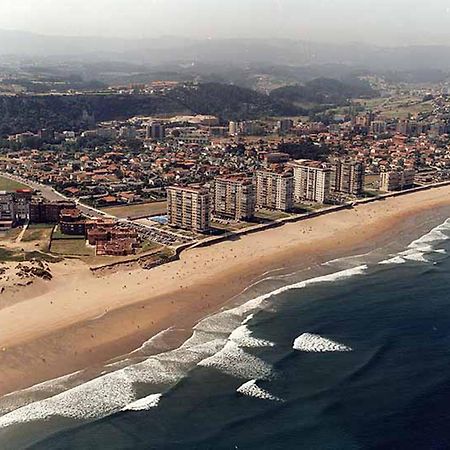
[
  {"x": 77, "y": 112},
  {"x": 324, "y": 91},
  {"x": 230, "y": 102}
]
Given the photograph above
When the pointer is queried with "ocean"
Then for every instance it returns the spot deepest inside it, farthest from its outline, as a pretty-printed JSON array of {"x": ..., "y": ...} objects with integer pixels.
[{"x": 351, "y": 354}]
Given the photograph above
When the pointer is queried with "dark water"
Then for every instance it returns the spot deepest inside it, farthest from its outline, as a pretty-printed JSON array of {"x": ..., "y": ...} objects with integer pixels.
[{"x": 391, "y": 391}]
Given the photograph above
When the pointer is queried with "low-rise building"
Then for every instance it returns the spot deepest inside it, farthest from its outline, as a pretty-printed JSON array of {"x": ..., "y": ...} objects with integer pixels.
[
  {"x": 14, "y": 207},
  {"x": 395, "y": 180},
  {"x": 48, "y": 212},
  {"x": 72, "y": 222}
]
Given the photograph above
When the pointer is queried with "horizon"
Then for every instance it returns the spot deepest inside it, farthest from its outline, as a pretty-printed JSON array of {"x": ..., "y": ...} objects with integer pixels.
[
  {"x": 197, "y": 39},
  {"x": 399, "y": 23}
]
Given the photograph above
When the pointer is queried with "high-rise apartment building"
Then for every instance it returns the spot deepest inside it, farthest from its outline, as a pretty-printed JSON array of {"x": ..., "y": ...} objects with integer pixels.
[
  {"x": 274, "y": 190},
  {"x": 189, "y": 208},
  {"x": 155, "y": 131},
  {"x": 285, "y": 125},
  {"x": 234, "y": 197},
  {"x": 378, "y": 127},
  {"x": 233, "y": 129},
  {"x": 312, "y": 181},
  {"x": 347, "y": 177}
]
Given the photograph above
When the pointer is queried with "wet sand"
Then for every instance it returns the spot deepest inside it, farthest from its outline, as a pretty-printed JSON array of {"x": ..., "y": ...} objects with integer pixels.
[{"x": 81, "y": 321}]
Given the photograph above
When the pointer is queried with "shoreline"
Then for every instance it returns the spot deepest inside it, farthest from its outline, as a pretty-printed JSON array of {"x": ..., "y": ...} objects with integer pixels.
[{"x": 83, "y": 321}]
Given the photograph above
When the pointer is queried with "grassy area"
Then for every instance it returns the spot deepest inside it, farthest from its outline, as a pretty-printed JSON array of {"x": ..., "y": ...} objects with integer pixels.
[
  {"x": 143, "y": 209},
  {"x": 38, "y": 233},
  {"x": 148, "y": 246},
  {"x": 73, "y": 247},
  {"x": 372, "y": 182},
  {"x": 270, "y": 215},
  {"x": 58, "y": 235},
  {"x": 18, "y": 255},
  {"x": 10, "y": 235},
  {"x": 9, "y": 185},
  {"x": 302, "y": 208},
  {"x": 372, "y": 103},
  {"x": 233, "y": 226}
]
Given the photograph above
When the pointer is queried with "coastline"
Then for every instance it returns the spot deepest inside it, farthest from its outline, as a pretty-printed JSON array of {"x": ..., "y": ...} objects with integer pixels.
[{"x": 81, "y": 320}]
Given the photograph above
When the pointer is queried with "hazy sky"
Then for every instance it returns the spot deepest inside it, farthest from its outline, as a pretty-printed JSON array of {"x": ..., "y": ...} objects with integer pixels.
[{"x": 378, "y": 21}]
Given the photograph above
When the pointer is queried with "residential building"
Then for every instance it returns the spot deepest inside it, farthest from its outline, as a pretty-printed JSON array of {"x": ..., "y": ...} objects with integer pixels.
[
  {"x": 72, "y": 222},
  {"x": 397, "y": 180},
  {"x": 233, "y": 129},
  {"x": 312, "y": 181},
  {"x": 48, "y": 212},
  {"x": 378, "y": 127},
  {"x": 347, "y": 177},
  {"x": 7, "y": 210},
  {"x": 274, "y": 190},
  {"x": 275, "y": 158},
  {"x": 234, "y": 197},
  {"x": 155, "y": 131},
  {"x": 189, "y": 208},
  {"x": 14, "y": 207},
  {"x": 285, "y": 125}
]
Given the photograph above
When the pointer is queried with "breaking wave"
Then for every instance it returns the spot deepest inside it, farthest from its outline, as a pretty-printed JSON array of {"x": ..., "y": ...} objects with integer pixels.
[
  {"x": 219, "y": 341},
  {"x": 314, "y": 343},
  {"x": 420, "y": 248},
  {"x": 234, "y": 361},
  {"x": 144, "y": 404},
  {"x": 251, "y": 389}
]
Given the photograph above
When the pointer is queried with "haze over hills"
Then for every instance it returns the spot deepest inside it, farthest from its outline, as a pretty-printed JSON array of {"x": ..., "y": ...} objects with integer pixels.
[{"x": 166, "y": 50}]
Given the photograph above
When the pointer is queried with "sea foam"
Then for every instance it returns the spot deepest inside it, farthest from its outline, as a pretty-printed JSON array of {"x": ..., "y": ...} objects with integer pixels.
[
  {"x": 144, "y": 404},
  {"x": 213, "y": 344},
  {"x": 234, "y": 361},
  {"x": 251, "y": 389},
  {"x": 314, "y": 343},
  {"x": 418, "y": 249},
  {"x": 244, "y": 338}
]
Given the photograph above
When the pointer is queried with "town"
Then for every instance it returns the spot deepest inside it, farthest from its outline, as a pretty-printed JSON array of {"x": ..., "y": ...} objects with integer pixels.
[{"x": 152, "y": 184}]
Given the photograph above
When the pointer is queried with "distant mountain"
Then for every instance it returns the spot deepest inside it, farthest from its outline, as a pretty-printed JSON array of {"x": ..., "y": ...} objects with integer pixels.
[{"x": 185, "y": 53}]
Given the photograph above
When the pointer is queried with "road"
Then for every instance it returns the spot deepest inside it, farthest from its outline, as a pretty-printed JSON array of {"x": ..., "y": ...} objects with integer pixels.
[
  {"x": 52, "y": 195},
  {"x": 146, "y": 229}
]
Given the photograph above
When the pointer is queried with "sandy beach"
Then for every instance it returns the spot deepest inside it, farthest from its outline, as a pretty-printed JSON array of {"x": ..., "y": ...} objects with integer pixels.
[{"x": 80, "y": 320}]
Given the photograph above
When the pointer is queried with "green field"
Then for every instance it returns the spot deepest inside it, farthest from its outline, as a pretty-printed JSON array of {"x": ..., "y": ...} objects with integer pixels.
[
  {"x": 10, "y": 235},
  {"x": 270, "y": 215},
  {"x": 9, "y": 185},
  {"x": 39, "y": 232},
  {"x": 401, "y": 106},
  {"x": 143, "y": 209},
  {"x": 73, "y": 247},
  {"x": 18, "y": 255},
  {"x": 149, "y": 246}
]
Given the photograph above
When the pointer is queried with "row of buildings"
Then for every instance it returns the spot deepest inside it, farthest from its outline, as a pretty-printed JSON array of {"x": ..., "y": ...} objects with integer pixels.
[
  {"x": 237, "y": 197},
  {"x": 21, "y": 207},
  {"x": 105, "y": 235}
]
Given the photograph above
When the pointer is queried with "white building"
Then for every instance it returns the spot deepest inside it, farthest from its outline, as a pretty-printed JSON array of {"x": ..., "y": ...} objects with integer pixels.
[{"x": 312, "y": 181}]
